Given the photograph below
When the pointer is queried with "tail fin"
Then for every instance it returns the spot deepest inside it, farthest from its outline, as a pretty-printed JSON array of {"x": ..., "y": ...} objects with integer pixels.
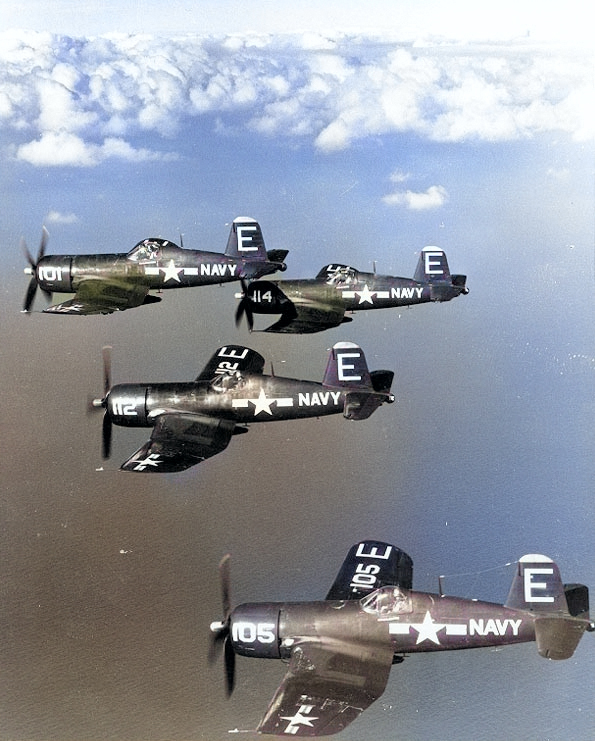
[
  {"x": 347, "y": 368},
  {"x": 561, "y": 611},
  {"x": 432, "y": 266},
  {"x": 246, "y": 240}
]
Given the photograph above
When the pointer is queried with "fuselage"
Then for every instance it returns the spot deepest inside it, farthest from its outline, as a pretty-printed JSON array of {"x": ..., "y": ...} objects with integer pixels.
[
  {"x": 365, "y": 291},
  {"x": 169, "y": 267},
  {"x": 420, "y": 622},
  {"x": 243, "y": 399}
]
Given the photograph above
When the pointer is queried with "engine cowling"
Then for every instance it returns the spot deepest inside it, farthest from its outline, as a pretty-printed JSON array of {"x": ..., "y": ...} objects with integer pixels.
[
  {"x": 254, "y": 630},
  {"x": 266, "y": 297},
  {"x": 54, "y": 273},
  {"x": 126, "y": 405}
]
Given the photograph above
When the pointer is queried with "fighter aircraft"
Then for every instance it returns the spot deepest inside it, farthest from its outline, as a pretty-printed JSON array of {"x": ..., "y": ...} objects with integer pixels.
[
  {"x": 314, "y": 304},
  {"x": 340, "y": 650},
  {"x": 196, "y": 420},
  {"x": 106, "y": 283}
]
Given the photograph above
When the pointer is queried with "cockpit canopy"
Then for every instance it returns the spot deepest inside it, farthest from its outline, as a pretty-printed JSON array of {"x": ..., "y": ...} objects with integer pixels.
[
  {"x": 387, "y": 602},
  {"x": 148, "y": 250},
  {"x": 227, "y": 381},
  {"x": 338, "y": 275}
]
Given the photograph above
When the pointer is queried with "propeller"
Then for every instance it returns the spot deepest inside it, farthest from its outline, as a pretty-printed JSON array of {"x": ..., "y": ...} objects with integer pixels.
[
  {"x": 32, "y": 270},
  {"x": 245, "y": 307},
  {"x": 221, "y": 629},
  {"x": 94, "y": 404}
]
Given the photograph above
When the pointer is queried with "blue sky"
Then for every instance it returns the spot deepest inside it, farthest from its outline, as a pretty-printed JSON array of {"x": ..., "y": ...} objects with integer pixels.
[{"x": 353, "y": 132}]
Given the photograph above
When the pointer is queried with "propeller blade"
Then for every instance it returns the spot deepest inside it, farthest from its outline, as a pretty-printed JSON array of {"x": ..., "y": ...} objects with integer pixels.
[
  {"x": 106, "y": 353},
  {"x": 230, "y": 667},
  {"x": 106, "y": 436},
  {"x": 224, "y": 577},
  {"x": 30, "y": 295},
  {"x": 245, "y": 307},
  {"x": 28, "y": 255},
  {"x": 43, "y": 244}
]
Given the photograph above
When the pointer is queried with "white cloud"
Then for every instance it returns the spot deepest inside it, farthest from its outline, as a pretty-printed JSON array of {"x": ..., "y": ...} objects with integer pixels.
[
  {"x": 434, "y": 197},
  {"x": 57, "y": 217},
  {"x": 69, "y": 94},
  {"x": 69, "y": 150}
]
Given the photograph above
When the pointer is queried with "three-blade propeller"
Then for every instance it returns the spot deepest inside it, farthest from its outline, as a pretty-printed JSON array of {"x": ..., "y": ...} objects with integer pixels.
[
  {"x": 94, "y": 404},
  {"x": 32, "y": 270},
  {"x": 221, "y": 629}
]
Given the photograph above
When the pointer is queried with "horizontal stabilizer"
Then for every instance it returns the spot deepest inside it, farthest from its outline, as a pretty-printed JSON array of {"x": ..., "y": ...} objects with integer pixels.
[{"x": 557, "y": 638}]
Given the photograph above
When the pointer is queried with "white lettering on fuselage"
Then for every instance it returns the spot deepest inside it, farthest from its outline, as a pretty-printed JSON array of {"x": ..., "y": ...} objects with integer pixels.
[
  {"x": 428, "y": 629},
  {"x": 495, "y": 627},
  {"x": 319, "y": 398},
  {"x": 218, "y": 269},
  {"x": 406, "y": 292}
]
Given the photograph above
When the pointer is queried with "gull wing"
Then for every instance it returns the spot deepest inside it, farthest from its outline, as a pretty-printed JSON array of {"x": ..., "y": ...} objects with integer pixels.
[
  {"x": 370, "y": 565},
  {"x": 179, "y": 441},
  {"x": 309, "y": 310},
  {"x": 327, "y": 685},
  {"x": 95, "y": 296},
  {"x": 232, "y": 359}
]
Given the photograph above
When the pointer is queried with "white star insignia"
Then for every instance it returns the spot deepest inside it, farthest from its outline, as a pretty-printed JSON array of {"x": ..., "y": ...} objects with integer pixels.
[
  {"x": 299, "y": 719},
  {"x": 428, "y": 630},
  {"x": 262, "y": 404},
  {"x": 171, "y": 272},
  {"x": 150, "y": 460},
  {"x": 365, "y": 295}
]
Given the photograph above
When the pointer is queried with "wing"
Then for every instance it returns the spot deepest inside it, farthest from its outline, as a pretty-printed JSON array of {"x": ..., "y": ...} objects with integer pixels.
[
  {"x": 370, "y": 565},
  {"x": 310, "y": 309},
  {"x": 231, "y": 359},
  {"x": 94, "y": 296},
  {"x": 307, "y": 318},
  {"x": 326, "y": 687},
  {"x": 179, "y": 441}
]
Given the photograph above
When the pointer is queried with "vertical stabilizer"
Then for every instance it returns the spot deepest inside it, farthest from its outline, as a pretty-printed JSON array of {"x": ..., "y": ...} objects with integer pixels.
[
  {"x": 537, "y": 586},
  {"x": 347, "y": 366},
  {"x": 245, "y": 240},
  {"x": 432, "y": 266}
]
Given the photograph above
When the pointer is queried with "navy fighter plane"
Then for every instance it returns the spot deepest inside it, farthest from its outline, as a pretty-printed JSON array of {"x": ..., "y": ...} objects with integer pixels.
[
  {"x": 115, "y": 282},
  {"x": 196, "y": 420},
  {"x": 340, "y": 651},
  {"x": 314, "y": 304}
]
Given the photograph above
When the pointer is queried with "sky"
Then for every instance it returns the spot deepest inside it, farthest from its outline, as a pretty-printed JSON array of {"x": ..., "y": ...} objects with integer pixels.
[{"x": 354, "y": 133}]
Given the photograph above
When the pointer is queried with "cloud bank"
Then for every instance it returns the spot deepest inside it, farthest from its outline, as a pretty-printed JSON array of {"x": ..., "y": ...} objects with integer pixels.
[{"x": 80, "y": 101}]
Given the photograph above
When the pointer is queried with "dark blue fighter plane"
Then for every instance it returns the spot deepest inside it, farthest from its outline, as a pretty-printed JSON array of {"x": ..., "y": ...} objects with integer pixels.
[
  {"x": 314, "y": 304},
  {"x": 103, "y": 284},
  {"x": 196, "y": 420},
  {"x": 340, "y": 651}
]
